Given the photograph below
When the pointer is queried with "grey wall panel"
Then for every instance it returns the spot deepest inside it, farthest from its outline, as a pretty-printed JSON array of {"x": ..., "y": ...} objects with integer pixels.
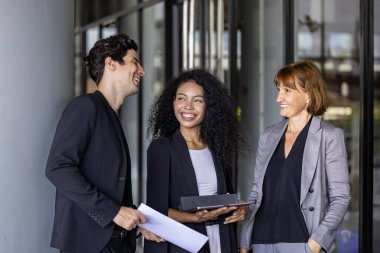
[{"x": 36, "y": 81}]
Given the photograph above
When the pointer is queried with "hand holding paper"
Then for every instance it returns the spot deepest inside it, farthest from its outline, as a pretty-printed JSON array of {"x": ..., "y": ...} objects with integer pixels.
[
  {"x": 150, "y": 236},
  {"x": 171, "y": 230}
]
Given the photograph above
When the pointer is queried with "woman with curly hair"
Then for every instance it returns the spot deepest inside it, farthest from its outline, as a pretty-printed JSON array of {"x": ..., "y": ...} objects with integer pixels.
[{"x": 195, "y": 134}]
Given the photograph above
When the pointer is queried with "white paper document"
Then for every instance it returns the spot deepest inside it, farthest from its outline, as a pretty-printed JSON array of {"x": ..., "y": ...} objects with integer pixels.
[{"x": 171, "y": 230}]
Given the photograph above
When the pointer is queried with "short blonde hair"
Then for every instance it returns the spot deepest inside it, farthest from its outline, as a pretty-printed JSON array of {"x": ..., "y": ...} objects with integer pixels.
[{"x": 306, "y": 75}]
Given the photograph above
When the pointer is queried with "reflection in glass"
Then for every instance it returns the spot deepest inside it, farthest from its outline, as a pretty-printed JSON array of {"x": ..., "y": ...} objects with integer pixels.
[
  {"x": 151, "y": 54},
  {"x": 129, "y": 110},
  {"x": 261, "y": 53},
  {"x": 152, "y": 57},
  {"x": 79, "y": 66},
  {"x": 205, "y": 36},
  {"x": 376, "y": 127}
]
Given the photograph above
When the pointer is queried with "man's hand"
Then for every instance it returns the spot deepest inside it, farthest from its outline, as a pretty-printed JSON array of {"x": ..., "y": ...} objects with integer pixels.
[
  {"x": 129, "y": 218},
  {"x": 150, "y": 236},
  {"x": 314, "y": 246},
  {"x": 242, "y": 250}
]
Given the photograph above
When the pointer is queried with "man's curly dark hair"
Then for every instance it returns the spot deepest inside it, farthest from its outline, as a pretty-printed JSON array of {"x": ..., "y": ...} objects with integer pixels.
[{"x": 219, "y": 128}]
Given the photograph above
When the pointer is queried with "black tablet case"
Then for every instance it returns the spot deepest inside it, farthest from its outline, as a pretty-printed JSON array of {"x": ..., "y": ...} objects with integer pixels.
[{"x": 195, "y": 203}]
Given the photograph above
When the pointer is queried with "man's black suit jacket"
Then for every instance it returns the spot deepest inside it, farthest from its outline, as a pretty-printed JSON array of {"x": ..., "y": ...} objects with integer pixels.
[
  {"x": 89, "y": 164},
  {"x": 171, "y": 175}
]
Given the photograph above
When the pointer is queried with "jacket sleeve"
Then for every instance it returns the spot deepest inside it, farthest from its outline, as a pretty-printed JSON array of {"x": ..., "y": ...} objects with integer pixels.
[
  {"x": 72, "y": 137},
  {"x": 337, "y": 186},
  {"x": 158, "y": 179}
]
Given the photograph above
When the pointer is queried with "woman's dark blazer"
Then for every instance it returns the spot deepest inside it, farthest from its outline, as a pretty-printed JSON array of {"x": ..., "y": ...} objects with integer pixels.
[
  {"x": 90, "y": 166},
  {"x": 171, "y": 176}
]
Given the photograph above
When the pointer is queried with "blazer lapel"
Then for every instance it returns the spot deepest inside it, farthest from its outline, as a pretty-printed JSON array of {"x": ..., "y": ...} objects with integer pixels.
[
  {"x": 220, "y": 176},
  {"x": 118, "y": 129},
  {"x": 111, "y": 115},
  {"x": 181, "y": 150},
  {"x": 310, "y": 156},
  {"x": 271, "y": 143}
]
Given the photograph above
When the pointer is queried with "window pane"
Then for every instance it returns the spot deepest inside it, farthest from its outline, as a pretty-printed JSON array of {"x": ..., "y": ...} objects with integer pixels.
[
  {"x": 153, "y": 60},
  {"x": 260, "y": 36},
  {"x": 327, "y": 33},
  {"x": 129, "y": 110},
  {"x": 376, "y": 127},
  {"x": 151, "y": 54}
]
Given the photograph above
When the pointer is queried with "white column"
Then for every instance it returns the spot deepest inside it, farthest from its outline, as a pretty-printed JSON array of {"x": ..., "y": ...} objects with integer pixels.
[{"x": 36, "y": 82}]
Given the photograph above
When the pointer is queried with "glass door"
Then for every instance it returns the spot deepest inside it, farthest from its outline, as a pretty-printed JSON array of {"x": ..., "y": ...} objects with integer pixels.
[
  {"x": 327, "y": 32},
  {"x": 376, "y": 127}
]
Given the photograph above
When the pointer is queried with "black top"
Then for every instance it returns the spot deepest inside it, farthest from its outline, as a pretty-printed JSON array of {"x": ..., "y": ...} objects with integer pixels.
[{"x": 279, "y": 218}]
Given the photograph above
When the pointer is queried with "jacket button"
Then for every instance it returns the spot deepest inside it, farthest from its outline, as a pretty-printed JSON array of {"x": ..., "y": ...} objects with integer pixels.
[
  {"x": 311, "y": 209},
  {"x": 121, "y": 179},
  {"x": 311, "y": 190}
]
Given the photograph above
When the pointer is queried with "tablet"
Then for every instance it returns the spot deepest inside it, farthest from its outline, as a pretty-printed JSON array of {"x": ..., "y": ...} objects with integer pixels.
[
  {"x": 208, "y": 202},
  {"x": 198, "y": 208}
]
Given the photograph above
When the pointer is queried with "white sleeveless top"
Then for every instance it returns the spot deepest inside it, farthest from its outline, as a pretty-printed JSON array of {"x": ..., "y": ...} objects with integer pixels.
[{"x": 207, "y": 185}]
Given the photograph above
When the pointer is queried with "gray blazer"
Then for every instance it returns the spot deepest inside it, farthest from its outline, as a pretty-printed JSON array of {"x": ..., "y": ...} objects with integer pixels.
[{"x": 325, "y": 190}]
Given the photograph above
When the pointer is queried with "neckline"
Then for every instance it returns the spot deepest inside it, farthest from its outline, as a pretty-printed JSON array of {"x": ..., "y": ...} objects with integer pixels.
[
  {"x": 296, "y": 141},
  {"x": 198, "y": 150}
]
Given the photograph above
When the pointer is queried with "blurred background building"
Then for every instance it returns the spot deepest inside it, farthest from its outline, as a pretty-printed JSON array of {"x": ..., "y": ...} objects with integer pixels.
[{"x": 243, "y": 42}]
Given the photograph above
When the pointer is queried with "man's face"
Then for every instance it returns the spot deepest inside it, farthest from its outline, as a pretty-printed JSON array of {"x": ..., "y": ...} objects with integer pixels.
[{"x": 130, "y": 73}]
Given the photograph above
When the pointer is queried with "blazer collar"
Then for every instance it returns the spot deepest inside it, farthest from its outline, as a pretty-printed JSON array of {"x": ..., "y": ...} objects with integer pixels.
[
  {"x": 115, "y": 122},
  {"x": 271, "y": 143},
  {"x": 315, "y": 125},
  {"x": 274, "y": 139},
  {"x": 181, "y": 150},
  {"x": 280, "y": 127},
  {"x": 310, "y": 156}
]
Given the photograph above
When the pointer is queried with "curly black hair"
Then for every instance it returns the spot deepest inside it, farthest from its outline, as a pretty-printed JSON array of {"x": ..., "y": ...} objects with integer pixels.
[
  {"x": 219, "y": 128},
  {"x": 116, "y": 47}
]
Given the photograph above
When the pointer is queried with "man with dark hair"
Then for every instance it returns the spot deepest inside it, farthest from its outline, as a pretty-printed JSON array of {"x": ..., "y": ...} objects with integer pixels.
[{"x": 89, "y": 161}]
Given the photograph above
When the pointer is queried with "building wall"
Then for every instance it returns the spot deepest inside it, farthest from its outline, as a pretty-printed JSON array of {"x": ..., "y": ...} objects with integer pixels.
[{"x": 36, "y": 81}]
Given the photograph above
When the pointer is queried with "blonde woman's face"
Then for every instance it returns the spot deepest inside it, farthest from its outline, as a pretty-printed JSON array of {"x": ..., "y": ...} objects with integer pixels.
[{"x": 293, "y": 102}]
